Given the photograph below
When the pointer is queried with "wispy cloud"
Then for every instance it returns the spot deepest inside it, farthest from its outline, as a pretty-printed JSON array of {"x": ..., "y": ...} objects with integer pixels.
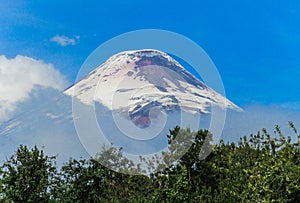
[
  {"x": 63, "y": 40},
  {"x": 292, "y": 105},
  {"x": 255, "y": 117},
  {"x": 19, "y": 75}
]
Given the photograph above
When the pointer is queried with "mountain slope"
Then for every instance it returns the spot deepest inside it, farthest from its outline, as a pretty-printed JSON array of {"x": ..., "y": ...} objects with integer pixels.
[
  {"x": 134, "y": 98},
  {"x": 45, "y": 120},
  {"x": 133, "y": 82}
]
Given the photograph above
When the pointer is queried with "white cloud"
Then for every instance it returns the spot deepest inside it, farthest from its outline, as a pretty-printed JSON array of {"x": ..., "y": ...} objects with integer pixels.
[
  {"x": 19, "y": 75},
  {"x": 63, "y": 40}
]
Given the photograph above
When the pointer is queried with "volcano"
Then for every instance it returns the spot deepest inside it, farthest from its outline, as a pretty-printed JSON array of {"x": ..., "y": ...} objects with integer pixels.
[
  {"x": 134, "y": 82},
  {"x": 135, "y": 96}
]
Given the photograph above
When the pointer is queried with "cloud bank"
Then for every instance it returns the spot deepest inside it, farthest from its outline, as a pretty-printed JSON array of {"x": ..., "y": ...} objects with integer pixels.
[
  {"x": 256, "y": 116},
  {"x": 19, "y": 75},
  {"x": 63, "y": 40},
  {"x": 47, "y": 121}
]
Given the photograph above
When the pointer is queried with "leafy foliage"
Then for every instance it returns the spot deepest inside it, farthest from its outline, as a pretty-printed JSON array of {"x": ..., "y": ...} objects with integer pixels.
[
  {"x": 261, "y": 168},
  {"x": 28, "y": 176}
]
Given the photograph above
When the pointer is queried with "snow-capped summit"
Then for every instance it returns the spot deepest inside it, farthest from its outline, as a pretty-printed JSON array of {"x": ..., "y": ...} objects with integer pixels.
[{"x": 133, "y": 82}]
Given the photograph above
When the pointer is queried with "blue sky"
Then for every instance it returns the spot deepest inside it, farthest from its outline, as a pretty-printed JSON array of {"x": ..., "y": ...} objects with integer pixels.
[{"x": 254, "y": 44}]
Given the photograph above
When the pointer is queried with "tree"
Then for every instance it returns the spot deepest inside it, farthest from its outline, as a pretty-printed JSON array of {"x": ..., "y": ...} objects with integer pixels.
[
  {"x": 83, "y": 181},
  {"x": 261, "y": 168},
  {"x": 28, "y": 176}
]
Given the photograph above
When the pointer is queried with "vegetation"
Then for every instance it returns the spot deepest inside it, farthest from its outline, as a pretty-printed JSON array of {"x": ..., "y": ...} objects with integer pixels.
[{"x": 260, "y": 168}]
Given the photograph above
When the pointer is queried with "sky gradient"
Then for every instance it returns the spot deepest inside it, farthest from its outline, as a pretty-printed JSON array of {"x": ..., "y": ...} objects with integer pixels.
[{"x": 255, "y": 45}]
